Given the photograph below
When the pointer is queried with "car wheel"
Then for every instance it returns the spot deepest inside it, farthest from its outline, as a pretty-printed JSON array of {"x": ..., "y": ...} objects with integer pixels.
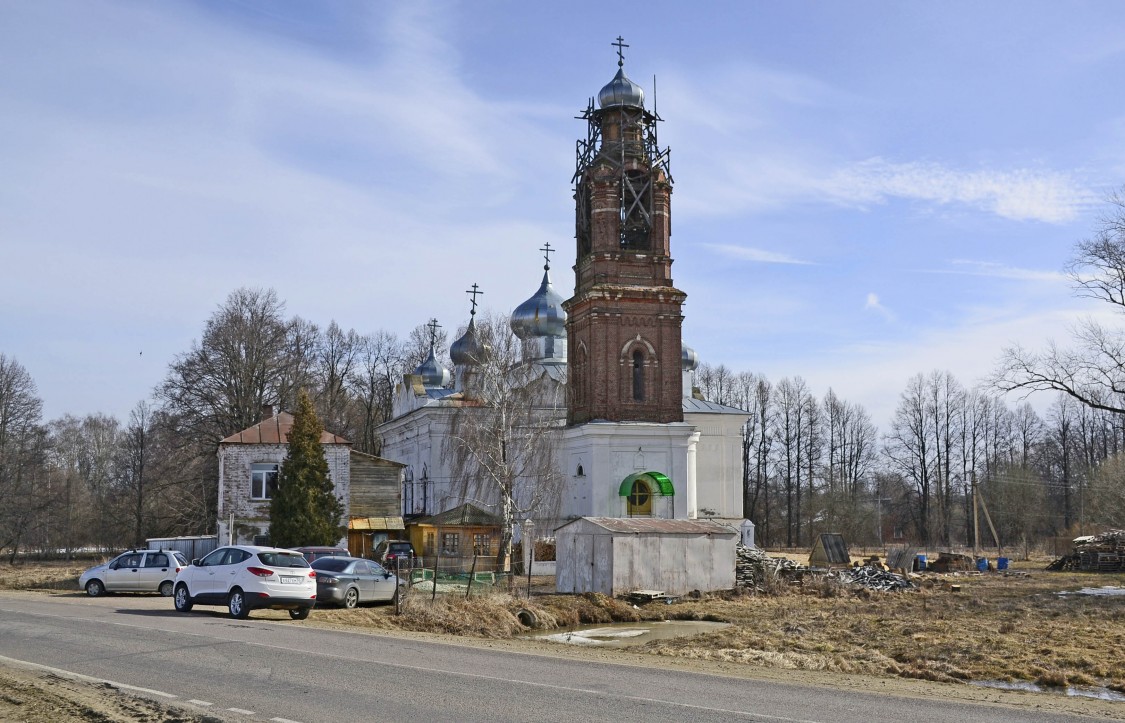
[
  {"x": 236, "y": 604},
  {"x": 95, "y": 588},
  {"x": 351, "y": 598},
  {"x": 299, "y": 613},
  {"x": 166, "y": 588},
  {"x": 182, "y": 600}
]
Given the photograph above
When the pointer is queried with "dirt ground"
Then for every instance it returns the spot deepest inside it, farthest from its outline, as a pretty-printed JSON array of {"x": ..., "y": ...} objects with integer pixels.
[
  {"x": 36, "y": 696},
  {"x": 934, "y": 641}
]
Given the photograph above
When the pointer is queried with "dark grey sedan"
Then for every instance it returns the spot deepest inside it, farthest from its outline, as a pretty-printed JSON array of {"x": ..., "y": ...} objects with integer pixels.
[{"x": 348, "y": 581}]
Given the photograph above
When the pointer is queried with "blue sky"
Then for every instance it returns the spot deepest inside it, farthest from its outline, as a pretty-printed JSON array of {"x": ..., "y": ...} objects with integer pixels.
[{"x": 864, "y": 190}]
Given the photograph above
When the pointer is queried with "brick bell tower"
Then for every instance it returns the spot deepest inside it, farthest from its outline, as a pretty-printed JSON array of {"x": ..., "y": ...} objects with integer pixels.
[{"x": 624, "y": 320}]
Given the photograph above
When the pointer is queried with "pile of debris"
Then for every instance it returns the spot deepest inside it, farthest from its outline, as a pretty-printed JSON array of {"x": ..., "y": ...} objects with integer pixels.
[
  {"x": 1095, "y": 553},
  {"x": 873, "y": 578},
  {"x": 753, "y": 568}
]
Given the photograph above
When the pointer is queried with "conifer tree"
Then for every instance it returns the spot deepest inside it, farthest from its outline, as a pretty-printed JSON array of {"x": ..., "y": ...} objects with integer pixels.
[{"x": 304, "y": 510}]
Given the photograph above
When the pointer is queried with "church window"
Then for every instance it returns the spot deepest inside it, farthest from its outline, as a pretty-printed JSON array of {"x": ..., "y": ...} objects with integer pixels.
[
  {"x": 579, "y": 472},
  {"x": 263, "y": 481},
  {"x": 636, "y": 210},
  {"x": 639, "y": 499},
  {"x": 638, "y": 376}
]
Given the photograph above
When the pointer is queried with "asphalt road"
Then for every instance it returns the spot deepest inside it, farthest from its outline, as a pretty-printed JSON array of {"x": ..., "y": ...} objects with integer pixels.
[{"x": 284, "y": 670}]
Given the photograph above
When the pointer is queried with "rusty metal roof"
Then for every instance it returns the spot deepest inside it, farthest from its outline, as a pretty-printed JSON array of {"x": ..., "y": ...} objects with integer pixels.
[
  {"x": 638, "y": 525},
  {"x": 468, "y": 515},
  {"x": 376, "y": 523},
  {"x": 275, "y": 430}
]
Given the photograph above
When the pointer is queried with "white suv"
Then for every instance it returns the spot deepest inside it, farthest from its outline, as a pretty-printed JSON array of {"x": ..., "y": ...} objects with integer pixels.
[
  {"x": 134, "y": 571},
  {"x": 245, "y": 578}
]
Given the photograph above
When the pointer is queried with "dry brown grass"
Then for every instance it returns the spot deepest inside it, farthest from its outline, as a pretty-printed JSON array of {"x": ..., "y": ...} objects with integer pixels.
[{"x": 995, "y": 628}]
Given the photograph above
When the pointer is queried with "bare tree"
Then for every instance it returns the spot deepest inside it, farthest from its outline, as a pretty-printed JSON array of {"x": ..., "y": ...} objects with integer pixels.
[
  {"x": 1093, "y": 370},
  {"x": 335, "y": 360},
  {"x": 910, "y": 451},
  {"x": 502, "y": 441},
  {"x": 22, "y": 456},
  {"x": 379, "y": 363}
]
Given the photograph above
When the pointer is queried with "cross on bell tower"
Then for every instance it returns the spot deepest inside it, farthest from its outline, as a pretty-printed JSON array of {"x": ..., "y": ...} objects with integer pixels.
[{"x": 624, "y": 320}]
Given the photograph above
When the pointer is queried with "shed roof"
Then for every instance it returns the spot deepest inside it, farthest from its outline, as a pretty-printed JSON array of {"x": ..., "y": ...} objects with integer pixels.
[
  {"x": 830, "y": 548},
  {"x": 375, "y": 523},
  {"x": 467, "y": 514},
  {"x": 275, "y": 430},
  {"x": 637, "y": 525},
  {"x": 376, "y": 459}
]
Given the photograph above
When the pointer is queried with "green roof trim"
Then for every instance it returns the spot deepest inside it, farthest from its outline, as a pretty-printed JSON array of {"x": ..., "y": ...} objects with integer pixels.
[{"x": 661, "y": 484}]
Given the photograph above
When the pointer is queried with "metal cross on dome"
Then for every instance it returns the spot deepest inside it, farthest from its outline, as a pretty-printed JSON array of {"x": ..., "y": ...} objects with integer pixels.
[
  {"x": 547, "y": 255},
  {"x": 433, "y": 326},
  {"x": 620, "y": 44},
  {"x": 474, "y": 293}
]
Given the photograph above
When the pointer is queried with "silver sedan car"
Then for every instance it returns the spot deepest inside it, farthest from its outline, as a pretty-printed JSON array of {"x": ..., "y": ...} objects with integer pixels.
[{"x": 349, "y": 581}]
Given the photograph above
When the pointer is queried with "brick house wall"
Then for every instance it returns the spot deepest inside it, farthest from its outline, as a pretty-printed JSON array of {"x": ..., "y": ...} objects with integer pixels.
[{"x": 252, "y": 516}]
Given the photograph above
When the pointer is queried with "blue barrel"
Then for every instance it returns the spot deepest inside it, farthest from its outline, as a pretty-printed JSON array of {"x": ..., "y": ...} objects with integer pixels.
[
  {"x": 1001, "y": 563},
  {"x": 982, "y": 564},
  {"x": 920, "y": 562}
]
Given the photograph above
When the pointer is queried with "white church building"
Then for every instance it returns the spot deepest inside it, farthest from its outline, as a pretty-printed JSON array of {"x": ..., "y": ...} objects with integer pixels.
[{"x": 632, "y": 439}]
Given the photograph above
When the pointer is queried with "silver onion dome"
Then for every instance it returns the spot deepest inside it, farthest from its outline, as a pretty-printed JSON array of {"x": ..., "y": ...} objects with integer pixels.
[
  {"x": 621, "y": 91},
  {"x": 467, "y": 349},
  {"x": 689, "y": 360},
  {"x": 542, "y": 314},
  {"x": 432, "y": 373}
]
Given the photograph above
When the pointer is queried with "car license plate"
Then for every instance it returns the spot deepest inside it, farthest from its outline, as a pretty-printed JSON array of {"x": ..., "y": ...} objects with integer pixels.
[{"x": 290, "y": 580}]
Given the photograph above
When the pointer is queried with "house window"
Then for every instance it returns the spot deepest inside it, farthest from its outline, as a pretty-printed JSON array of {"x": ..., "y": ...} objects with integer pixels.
[
  {"x": 638, "y": 376},
  {"x": 639, "y": 499},
  {"x": 450, "y": 543},
  {"x": 263, "y": 481},
  {"x": 429, "y": 547},
  {"x": 482, "y": 544}
]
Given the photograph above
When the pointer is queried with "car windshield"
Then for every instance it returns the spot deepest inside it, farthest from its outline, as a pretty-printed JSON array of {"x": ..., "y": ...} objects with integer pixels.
[
  {"x": 332, "y": 564},
  {"x": 283, "y": 559},
  {"x": 401, "y": 547}
]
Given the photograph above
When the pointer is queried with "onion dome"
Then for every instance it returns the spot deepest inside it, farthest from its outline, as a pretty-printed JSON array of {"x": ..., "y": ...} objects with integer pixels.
[
  {"x": 467, "y": 349},
  {"x": 432, "y": 373},
  {"x": 621, "y": 91},
  {"x": 689, "y": 360},
  {"x": 542, "y": 314}
]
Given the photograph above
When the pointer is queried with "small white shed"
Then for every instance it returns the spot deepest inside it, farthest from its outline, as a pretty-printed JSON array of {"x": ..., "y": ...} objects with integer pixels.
[{"x": 616, "y": 555}]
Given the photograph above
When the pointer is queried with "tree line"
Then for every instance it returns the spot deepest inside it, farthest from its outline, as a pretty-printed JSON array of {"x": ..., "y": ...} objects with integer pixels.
[
  {"x": 810, "y": 464},
  {"x": 98, "y": 482}
]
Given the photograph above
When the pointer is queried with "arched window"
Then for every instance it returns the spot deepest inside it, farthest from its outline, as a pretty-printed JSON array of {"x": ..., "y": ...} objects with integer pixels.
[
  {"x": 638, "y": 376},
  {"x": 639, "y": 499}
]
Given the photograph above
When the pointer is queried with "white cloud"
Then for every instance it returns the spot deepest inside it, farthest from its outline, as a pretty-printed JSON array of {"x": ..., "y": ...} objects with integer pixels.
[
  {"x": 997, "y": 270},
  {"x": 873, "y": 304},
  {"x": 746, "y": 253},
  {"x": 1020, "y": 194}
]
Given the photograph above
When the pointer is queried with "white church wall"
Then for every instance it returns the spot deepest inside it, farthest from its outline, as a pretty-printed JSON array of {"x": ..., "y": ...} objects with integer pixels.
[
  {"x": 718, "y": 464},
  {"x": 610, "y": 452}
]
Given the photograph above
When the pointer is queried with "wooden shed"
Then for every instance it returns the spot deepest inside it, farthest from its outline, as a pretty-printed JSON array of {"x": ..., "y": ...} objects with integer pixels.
[
  {"x": 457, "y": 534},
  {"x": 375, "y": 502},
  {"x": 830, "y": 550},
  {"x": 618, "y": 555}
]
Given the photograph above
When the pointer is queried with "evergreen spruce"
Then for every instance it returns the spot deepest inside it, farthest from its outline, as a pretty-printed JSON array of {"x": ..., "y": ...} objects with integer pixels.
[{"x": 304, "y": 509}]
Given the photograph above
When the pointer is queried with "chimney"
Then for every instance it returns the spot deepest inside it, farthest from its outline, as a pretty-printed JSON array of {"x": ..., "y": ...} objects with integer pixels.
[{"x": 267, "y": 412}]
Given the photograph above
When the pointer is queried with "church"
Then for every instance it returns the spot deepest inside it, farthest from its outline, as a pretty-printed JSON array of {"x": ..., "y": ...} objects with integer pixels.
[{"x": 630, "y": 439}]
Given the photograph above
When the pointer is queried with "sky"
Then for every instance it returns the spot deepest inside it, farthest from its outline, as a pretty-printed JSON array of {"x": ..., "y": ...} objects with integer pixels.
[{"x": 864, "y": 191}]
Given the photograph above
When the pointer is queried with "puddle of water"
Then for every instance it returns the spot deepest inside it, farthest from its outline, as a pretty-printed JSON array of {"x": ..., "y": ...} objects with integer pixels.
[
  {"x": 626, "y": 635},
  {"x": 1106, "y": 590},
  {"x": 1070, "y": 690}
]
